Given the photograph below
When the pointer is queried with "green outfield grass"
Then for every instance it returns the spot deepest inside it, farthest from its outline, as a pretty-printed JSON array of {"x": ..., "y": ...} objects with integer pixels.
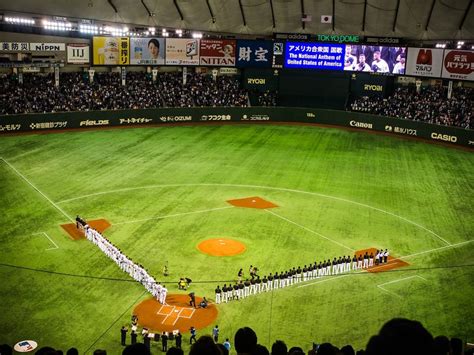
[{"x": 337, "y": 191}]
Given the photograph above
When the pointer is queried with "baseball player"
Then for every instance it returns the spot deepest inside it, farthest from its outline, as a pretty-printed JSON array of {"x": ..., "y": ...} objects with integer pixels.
[
  {"x": 359, "y": 262},
  {"x": 270, "y": 282},
  {"x": 371, "y": 259},
  {"x": 246, "y": 288},
  {"x": 276, "y": 280},
  {"x": 164, "y": 292},
  {"x": 366, "y": 261},
  {"x": 218, "y": 295},
  {"x": 224, "y": 293}
]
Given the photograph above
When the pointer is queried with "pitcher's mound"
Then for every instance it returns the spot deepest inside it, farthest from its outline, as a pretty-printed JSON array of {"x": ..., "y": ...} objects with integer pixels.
[
  {"x": 176, "y": 315},
  {"x": 221, "y": 247},
  {"x": 252, "y": 202},
  {"x": 98, "y": 224}
]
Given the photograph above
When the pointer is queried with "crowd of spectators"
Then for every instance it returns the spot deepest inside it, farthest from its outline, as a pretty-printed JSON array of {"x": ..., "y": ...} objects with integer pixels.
[
  {"x": 268, "y": 98},
  {"x": 38, "y": 94},
  {"x": 397, "y": 336},
  {"x": 431, "y": 105}
]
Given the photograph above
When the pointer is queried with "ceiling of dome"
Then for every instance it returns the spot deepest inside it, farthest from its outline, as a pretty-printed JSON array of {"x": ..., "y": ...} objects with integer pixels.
[{"x": 414, "y": 19}]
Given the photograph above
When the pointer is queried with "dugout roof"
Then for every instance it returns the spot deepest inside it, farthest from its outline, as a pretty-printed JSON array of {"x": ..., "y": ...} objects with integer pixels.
[{"x": 414, "y": 19}]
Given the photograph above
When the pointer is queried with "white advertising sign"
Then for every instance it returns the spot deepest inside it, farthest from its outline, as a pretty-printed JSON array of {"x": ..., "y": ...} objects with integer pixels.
[
  {"x": 78, "y": 53},
  {"x": 424, "y": 62},
  {"x": 47, "y": 47},
  {"x": 458, "y": 65}
]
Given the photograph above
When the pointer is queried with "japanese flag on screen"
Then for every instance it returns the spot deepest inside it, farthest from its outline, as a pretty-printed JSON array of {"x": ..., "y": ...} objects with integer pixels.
[{"x": 326, "y": 19}]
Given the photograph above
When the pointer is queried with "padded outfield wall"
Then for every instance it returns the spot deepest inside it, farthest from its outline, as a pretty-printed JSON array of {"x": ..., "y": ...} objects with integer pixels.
[{"x": 123, "y": 118}]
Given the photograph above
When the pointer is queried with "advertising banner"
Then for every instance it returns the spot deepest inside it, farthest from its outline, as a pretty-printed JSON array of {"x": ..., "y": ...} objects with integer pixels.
[
  {"x": 111, "y": 50},
  {"x": 375, "y": 59},
  {"x": 307, "y": 55},
  {"x": 147, "y": 51},
  {"x": 77, "y": 53},
  {"x": 217, "y": 52},
  {"x": 424, "y": 62},
  {"x": 181, "y": 51},
  {"x": 254, "y": 53},
  {"x": 458, "y": 65},
  {"x": 32, "y": 47},
  {"x": 47, "y": 47}
]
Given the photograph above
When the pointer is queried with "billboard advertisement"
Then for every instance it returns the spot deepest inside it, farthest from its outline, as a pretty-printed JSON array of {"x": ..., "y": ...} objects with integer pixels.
[
  {"x": 458, "y": 65},
  {"x": 181, "y": 51},
  {"x": 217, "y": 52},
  {"x": 111, "y": 50},
  {"x": 424, "y": 62},
  {"x": 77, "y": 53},
  {"x": 254, "y": 53},
  {"x": 147, "y": 51},
  {"x": 278, "y": 59},
  {"x": 307, "y": 55},
  {"x": 375, "y": 59}
]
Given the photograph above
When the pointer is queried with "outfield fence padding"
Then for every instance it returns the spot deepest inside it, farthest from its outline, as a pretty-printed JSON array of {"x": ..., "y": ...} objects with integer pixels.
[{"x": 122, "y": 118}]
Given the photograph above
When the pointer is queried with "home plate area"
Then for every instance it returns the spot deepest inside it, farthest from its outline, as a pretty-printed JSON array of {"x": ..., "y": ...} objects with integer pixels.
[{"x": 175, "y": 315}]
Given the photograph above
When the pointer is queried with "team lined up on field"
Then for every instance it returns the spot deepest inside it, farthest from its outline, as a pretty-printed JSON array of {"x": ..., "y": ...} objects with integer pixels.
[
  {"x": 255, "y": 285},
  {"x": 138, "y": 272}
]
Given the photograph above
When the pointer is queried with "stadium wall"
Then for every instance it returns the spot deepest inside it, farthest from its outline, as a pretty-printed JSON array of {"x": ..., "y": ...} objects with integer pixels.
[{"x": 122, "y": 118}]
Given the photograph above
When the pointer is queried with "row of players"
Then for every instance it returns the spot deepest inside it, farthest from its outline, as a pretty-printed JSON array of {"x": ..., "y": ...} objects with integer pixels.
[
  {"x": 257, "y": 285},
  {"x": 136, "y": 271}
]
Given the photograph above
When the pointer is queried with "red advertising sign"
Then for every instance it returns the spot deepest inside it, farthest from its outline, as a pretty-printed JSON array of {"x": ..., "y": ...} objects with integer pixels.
[
  {"x": 458, "y": 65},
  {"x": 216, "y": 52}
]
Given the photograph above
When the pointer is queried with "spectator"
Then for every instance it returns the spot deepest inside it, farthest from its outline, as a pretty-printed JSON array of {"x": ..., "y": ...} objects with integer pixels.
[
  {"x": 205, "y": 346},
  {"x": 401, "y": 336},
  {"x": 38, "y": 94},
  {"x": 279, "y": 348},
  {"x": 430, "y": 106},
  {"x": 245, "y": 341}
]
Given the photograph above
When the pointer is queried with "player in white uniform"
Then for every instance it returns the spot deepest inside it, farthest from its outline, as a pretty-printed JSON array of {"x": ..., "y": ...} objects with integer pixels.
[{"x": 164, "y": 292}]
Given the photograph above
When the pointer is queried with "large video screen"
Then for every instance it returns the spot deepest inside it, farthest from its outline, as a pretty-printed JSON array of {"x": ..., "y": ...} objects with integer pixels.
[
  {"x": 375, "y": 59},
  {"x": 372, "y": 59},
  {"x": 307, "y": 55}
]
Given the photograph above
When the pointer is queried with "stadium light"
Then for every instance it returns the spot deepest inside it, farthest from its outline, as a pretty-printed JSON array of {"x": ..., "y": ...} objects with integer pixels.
[
  {"x": 197, "y": 35},
  {"x": 89, "y": 29},
  {"x": 151, "y": 30},
  {"x": 19, "y": 20},
  {"x": 179, "y": 33},
  {"x": 115, "y": 31},
  {"x": 57, "y": 25},
  {"x": 460, "y": 43}
]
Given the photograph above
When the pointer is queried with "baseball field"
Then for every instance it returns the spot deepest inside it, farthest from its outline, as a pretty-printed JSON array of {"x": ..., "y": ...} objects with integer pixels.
[{"x": 166, "y": 190}]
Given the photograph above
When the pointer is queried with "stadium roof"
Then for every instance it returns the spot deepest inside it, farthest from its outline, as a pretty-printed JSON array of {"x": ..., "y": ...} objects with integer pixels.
[{"x": 414, "y": 19}]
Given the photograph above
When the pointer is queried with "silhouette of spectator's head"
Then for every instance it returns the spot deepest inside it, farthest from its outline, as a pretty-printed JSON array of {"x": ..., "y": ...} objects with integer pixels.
[
  {"x": 296, "y": 350},
  {"x": 174, "y": 351},
  {"x": 456, "y": 346},
  {"x": 279, "y": 348},
  {"x": 245, "y": 340},
  {"x": 260, "y": 350},
  {"x": 326, "y": 349},
  {"x": 441, "y": 345},
  {"x": 347, "y": 350},
  {"x": 205, "y": 346},
  {"x": 6, "y": 349},
  {"x": 401, "y": 336},
  {"x": 136, "y": 349},
  {"x": 72, "y": 351}
]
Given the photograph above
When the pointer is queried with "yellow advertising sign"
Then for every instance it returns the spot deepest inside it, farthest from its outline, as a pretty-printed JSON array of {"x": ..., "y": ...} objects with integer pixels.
[{"x": 111, "y": 50}]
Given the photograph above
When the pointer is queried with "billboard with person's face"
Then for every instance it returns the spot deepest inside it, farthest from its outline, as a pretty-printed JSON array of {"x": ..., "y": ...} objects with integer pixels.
[{"x": 147, "y": 51}]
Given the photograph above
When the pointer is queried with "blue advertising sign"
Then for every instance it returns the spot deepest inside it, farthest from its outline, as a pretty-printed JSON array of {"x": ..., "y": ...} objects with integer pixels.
[
  {"x": 314, "y": 55},
  {"x": 254, "y": 53}
]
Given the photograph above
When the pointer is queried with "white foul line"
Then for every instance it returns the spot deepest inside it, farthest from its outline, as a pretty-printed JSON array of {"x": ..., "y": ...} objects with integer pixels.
[
  {"x": 309, "y": 230},
  {"x": 172, "y": 215},
  {"x": 41, "y": 193},
  {"x": 259, "y": 187},
  {"x": 52, "y": 241},
  {"x": 398, "y": 280}
]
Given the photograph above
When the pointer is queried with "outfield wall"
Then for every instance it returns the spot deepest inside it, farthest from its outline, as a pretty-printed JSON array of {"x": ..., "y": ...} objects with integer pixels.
[{"x": 357, "y": 120}]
